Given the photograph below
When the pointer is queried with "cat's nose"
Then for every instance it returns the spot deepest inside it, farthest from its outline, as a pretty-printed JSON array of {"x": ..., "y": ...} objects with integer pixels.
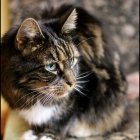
[{"x": 69, "y": 78}]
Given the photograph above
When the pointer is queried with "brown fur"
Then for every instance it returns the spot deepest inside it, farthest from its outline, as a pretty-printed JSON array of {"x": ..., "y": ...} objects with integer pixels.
[{"x": 64, "y": 59}]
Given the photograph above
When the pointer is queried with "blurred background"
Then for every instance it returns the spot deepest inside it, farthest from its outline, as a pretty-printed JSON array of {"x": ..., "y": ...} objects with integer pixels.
[{"x": 120, "y": 16}]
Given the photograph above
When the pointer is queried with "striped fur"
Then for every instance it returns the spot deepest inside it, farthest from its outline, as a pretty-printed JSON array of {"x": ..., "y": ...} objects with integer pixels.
[{"x": 63, "y": 58}]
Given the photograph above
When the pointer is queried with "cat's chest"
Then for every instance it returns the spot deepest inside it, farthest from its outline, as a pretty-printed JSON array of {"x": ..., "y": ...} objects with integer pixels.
[{"x": 38, "y": 114}]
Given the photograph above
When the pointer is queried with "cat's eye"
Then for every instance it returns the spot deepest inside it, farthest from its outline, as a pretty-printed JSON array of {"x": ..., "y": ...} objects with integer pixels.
[
  {"x": 73, "y": 61},
  {"x": 52, "y": 67}
]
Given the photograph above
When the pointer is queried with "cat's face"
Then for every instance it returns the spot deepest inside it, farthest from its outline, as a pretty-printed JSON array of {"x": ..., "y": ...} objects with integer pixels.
[{"x": 50, "y": 60}]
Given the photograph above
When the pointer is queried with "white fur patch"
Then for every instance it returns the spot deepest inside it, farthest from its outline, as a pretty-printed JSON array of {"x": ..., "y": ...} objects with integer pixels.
[
  {"x": 29, "y": 136},
  {"x": 45, "y": 138},
  {"x": 38, "y": 114}
]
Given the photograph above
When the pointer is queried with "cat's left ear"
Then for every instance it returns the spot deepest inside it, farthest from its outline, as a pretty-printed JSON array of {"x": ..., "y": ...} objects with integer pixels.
[
  {"x": 29, "y": 33},
  {"x": 68, "y": 21}
]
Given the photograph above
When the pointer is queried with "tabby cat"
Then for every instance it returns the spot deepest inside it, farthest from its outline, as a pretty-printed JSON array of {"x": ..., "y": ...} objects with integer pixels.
[{"x": 63, "y": 75}]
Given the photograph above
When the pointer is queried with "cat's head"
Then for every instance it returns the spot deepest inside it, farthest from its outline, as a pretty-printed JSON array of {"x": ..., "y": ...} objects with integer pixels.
[{"x": 47, "y": 59}]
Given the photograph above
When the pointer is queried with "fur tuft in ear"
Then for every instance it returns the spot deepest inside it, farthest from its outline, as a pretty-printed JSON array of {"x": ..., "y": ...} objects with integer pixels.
[
  {"x": 28, "y": 32},
  {"x": 70, "y": 22}
]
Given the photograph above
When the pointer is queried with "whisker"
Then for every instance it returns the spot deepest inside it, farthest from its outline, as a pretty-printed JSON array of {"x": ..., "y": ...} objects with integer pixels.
[
  {"x": 44, "y": 98},
  {"x": 83, "y": 76},
  {"x": 81, "y": 87},
  {"x": 34, "y": 96},
  {"x": 35, "y": 91},
  {"x": 50, "y": 97},
  {"x": 78, "y": 82},
  {"x": 84, "y": 41},
  {"x": 47, "y": 98},
  {"x": 84, "y": 73},
  {"x": 29, "y": 100},
  {"x": 38, "y": 95},
  {"x": 80, "y": 91},
  {"x": 24, "y": 96}
]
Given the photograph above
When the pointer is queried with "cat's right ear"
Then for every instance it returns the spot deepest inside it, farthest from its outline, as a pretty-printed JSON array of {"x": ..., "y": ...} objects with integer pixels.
[
  {"x": 68, "y": 21},
  {"x": 28, "y": 33}
]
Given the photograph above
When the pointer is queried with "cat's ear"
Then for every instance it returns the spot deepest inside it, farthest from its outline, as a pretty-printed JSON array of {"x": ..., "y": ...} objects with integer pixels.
[
  {"x": 68, "y": 21},
  {"x": 28, "y": 32}
]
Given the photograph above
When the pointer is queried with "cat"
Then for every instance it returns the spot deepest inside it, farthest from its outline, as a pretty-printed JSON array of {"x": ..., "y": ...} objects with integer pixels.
[{"x": 63, "y": 75}]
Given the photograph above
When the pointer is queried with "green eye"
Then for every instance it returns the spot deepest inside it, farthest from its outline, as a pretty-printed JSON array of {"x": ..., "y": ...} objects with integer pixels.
[{"x": 51, "y": 67}]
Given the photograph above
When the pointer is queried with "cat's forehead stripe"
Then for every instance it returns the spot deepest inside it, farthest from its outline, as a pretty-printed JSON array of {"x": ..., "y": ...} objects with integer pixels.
[
  {"x": 54, "y": 54},
  {"x": 61, "y": 55},
  {"x": 57, "y": 42},
  {"x": 63, "y": 50}
]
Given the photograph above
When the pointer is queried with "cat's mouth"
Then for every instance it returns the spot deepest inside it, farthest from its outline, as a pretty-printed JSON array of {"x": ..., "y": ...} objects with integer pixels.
[
  {"x": 63, "y": 91},
  {"x": 54, "y": 91}
]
